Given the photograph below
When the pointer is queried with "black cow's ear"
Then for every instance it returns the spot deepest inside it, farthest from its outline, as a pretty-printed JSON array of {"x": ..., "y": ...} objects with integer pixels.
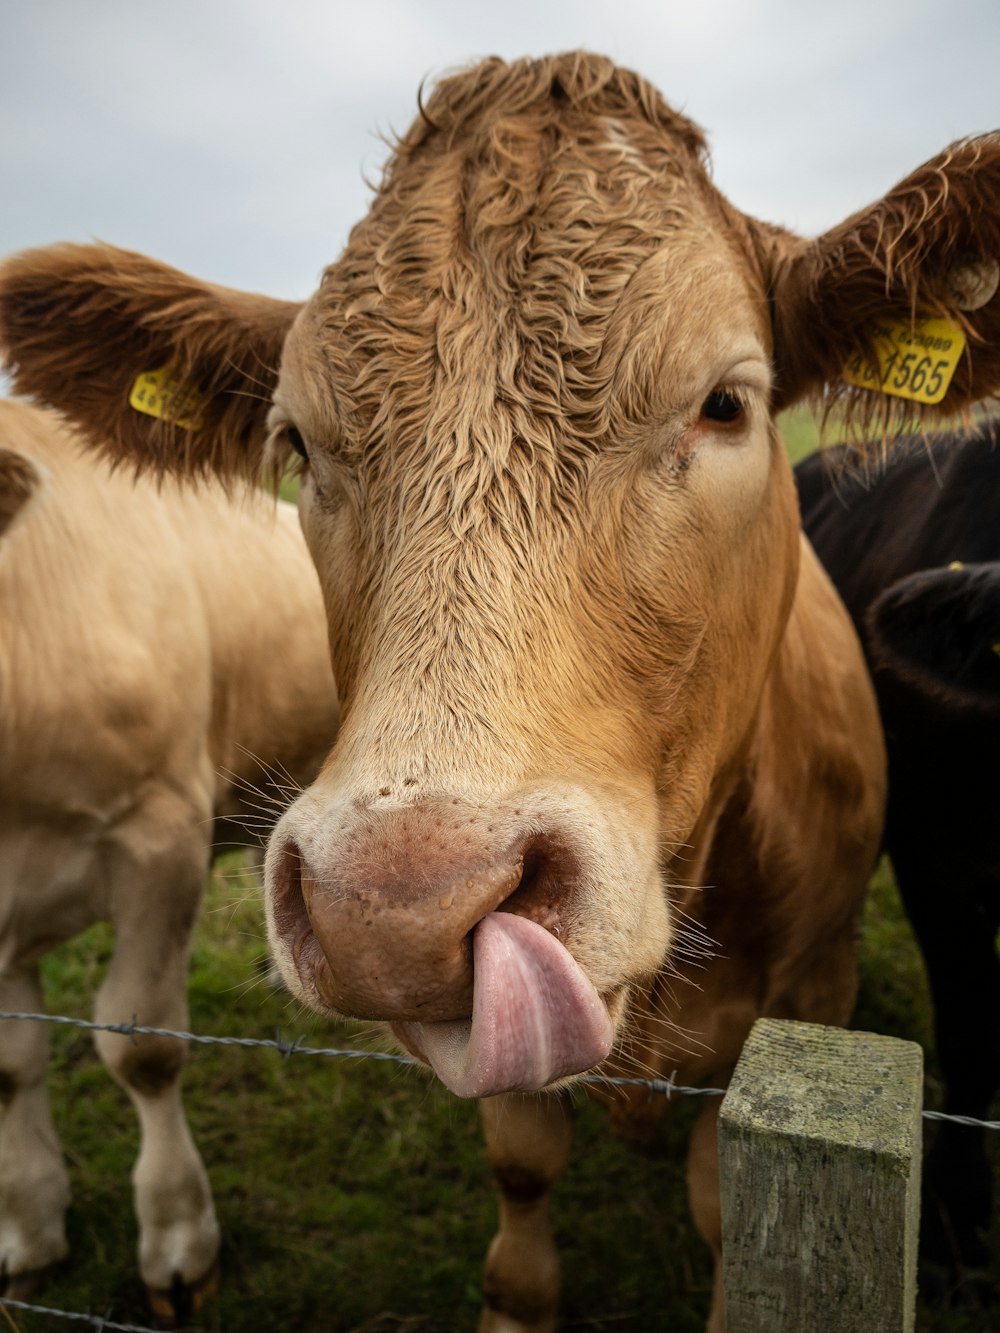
[
  {"x": 929, "y": 248},
  {"x": 939, "y": 632},
  {"x": 158, "y": 369},
  {"x": 20, "y": 481}
]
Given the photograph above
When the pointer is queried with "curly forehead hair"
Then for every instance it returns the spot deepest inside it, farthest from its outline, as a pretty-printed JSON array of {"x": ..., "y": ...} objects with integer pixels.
[
  {"x": 473, "y": 305},
  {"x": 589, "y": 83},
  {"x": 515, "y": 125}
]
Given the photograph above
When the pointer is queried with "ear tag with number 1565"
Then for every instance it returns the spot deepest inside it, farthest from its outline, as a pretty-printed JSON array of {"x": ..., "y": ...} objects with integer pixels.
[{"x": 915, "y": 361}]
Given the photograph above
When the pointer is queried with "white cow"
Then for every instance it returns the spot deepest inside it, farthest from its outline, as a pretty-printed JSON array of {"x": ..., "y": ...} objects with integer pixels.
[{"x": 158, "y": 646}]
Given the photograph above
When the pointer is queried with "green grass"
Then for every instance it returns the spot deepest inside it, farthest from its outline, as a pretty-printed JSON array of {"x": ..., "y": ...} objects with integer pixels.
[
  {"x": 800, "y": 432},
  {"x": 356, "y": 1195}
]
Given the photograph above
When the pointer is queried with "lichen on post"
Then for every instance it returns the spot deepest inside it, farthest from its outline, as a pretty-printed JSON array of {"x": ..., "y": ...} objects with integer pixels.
[{"x": 819, "y": 1144}]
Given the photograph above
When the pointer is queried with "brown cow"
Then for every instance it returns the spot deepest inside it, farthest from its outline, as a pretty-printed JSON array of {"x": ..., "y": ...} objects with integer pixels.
[
  {"x": 601, "y": 705},
  {"x": 163, "y": 674}
]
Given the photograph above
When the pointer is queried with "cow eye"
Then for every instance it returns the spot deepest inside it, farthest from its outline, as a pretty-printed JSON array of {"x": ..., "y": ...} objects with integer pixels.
[
  {"x": 297, "y": 442},
  {"x": 722, "y": 406}
]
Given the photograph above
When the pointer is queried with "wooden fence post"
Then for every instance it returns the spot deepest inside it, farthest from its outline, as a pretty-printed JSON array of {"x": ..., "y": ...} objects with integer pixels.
[{"x": 819, "y": 1147}]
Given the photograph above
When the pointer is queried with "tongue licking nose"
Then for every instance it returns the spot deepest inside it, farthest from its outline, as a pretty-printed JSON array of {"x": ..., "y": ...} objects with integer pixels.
[{"x": 535, "y": 1016}]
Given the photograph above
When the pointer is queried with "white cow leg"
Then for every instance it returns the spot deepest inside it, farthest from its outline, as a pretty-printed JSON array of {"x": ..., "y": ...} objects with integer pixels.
[
  {"x": 706, "y": 1203},
  {"x": 528, "y": 1143},
  {"x": 34, "y": 1187},
  {"x": 178, "y": 1232}
]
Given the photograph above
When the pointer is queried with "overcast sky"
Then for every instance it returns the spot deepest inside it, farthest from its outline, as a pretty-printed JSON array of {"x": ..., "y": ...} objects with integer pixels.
[{"x": 230, "y": 137}]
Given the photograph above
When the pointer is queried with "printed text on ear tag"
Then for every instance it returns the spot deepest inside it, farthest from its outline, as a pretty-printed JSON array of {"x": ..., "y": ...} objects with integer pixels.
[
  {"x": 915, "y": 361},
  {"x": 158, "y": 393}
]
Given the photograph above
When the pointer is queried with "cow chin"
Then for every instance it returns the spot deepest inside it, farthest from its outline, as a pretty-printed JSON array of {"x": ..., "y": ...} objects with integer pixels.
[{"x": 498, "y": 942}]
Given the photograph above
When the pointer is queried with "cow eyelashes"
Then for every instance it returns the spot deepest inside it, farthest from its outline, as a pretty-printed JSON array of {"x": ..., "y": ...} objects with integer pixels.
[
  {"x": 297, "y": 442},
  {"x": 724, "y": 406}
]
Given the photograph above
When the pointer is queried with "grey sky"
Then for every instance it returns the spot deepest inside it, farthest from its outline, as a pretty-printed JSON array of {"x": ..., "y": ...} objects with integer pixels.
[{"x": 229, "y": 137}]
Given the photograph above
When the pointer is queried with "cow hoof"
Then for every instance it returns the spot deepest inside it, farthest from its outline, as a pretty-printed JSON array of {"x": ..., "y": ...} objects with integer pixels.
[
  {"x": 23, "y": 1286},
  {"x": 973, "y": 1290},
  {"x": 493, "y": 1321},
  {"x": 176, "y": 1306},
  {"x": 956, "y": 1288}
]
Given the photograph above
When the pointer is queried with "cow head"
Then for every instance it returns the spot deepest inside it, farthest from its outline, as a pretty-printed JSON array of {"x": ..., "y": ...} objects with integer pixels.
[
  {"x": 937, "y": 633},
  {"x": 533, "y": 405}
]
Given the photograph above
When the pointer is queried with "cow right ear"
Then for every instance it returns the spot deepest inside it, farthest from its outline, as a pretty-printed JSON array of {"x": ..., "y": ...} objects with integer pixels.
[
  {"x": 929, "y": 248},
  {"x": 159, "y": 370},
  {"x": 20, "y": 482}
]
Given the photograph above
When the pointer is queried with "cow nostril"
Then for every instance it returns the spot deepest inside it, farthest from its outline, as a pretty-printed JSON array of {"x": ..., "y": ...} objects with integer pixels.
[
  {"x": 290, "y": 910},
  {"x": 288, "y": 904},
  {"x": 545, "y": 884}
]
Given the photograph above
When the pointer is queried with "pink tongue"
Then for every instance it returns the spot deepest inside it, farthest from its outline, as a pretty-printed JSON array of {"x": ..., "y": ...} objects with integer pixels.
[{"x": 535, "y": 1016}]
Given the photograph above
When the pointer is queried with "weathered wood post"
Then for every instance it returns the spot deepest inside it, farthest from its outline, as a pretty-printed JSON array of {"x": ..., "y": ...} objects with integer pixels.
[{"x": 819, "y": 1147}]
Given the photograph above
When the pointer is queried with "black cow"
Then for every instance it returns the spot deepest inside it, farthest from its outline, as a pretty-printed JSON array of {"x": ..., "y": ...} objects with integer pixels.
[{"x": 915, "y": 553}]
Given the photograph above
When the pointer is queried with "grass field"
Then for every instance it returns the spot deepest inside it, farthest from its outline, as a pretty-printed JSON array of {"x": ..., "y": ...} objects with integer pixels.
[{"x": 355, "y": 1196}]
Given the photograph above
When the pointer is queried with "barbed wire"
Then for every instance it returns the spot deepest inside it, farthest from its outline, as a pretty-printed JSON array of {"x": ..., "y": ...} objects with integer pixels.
[
  {"x": 961, "y": 1119},
  {"x": 665, "y": 1087},
  {"x": 96, "y": 1321},
  {"x": 286, "y": 1048}
]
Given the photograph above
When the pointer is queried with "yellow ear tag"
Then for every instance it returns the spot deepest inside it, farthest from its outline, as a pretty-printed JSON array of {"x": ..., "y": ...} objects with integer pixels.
[
  {"x": 915, "y": 361},
  {"x": 157, "y": 394}
]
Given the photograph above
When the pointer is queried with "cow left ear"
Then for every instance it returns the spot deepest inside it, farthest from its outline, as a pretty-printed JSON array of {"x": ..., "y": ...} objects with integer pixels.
[
  {"x": 159, "y": 370},
  {"x": 929, "y": 248}
]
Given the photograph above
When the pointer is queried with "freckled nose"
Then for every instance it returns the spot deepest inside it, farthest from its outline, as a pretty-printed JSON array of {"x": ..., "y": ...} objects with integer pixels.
[{"x": 384, "y": 930}]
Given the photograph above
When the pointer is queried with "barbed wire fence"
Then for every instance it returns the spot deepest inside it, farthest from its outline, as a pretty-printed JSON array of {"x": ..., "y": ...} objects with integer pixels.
[
  {"x": 656, "y": 1086},
  {"x": 96, "y": 1321},
  {"x": 103, "y": 1324}
]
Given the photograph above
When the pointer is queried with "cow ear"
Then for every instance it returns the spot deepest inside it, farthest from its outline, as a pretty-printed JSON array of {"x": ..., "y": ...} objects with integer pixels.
[
  {"x": 159, "y": 370},
  {"x": 931, "y": 247},
  {"x": 939, "y": 632},
  {"x": 20, "y": 481}
]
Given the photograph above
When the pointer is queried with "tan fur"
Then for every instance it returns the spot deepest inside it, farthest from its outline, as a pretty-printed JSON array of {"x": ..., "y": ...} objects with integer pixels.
[
  {"x": 163, "y": 678},
  {"x": 582, "y": 651}
]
